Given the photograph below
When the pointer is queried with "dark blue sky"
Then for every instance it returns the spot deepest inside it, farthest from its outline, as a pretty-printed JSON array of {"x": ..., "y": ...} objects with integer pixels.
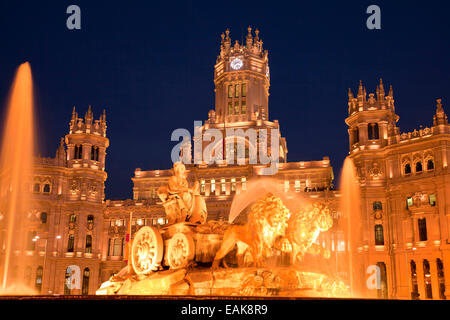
[{"x": 150, "y": 65}]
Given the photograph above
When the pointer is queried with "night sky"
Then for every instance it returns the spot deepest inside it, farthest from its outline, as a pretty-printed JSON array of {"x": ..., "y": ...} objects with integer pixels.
[{"x": 150, "y": 65}]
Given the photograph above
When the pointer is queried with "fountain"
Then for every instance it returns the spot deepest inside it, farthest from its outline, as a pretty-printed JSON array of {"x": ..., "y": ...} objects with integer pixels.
[
  {"x": 350, "y": 208},
  {"x": 16, "y": 165},
  {"x": 269, "y": 247}
]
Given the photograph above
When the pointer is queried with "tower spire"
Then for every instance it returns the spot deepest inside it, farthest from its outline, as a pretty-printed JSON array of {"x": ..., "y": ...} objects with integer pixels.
[
  {"x": 440, "y": 117},
  {"x": 381, "y": 88},
  {"x": 350, "y": 94},
  {"x": 360, "y": 88},
  {"x": 249, "y": 37},
  {"x": 74, "y": 114}
]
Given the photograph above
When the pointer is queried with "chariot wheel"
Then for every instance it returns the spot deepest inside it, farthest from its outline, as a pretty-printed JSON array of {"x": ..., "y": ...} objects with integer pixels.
[
  {"x": 147, "y": 250},
  {"x": 181, "y": 250}
]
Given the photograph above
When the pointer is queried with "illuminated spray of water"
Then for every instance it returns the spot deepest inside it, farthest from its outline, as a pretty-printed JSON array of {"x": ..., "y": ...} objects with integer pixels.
[{"x": 16, "y": 165}]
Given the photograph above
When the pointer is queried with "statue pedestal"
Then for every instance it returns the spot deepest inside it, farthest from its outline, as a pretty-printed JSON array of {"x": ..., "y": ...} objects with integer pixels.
[{"x": 277, "y": 281}]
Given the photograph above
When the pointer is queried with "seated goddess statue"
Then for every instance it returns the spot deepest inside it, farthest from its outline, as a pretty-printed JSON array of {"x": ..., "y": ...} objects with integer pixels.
[{"x": 181, "y": 203}]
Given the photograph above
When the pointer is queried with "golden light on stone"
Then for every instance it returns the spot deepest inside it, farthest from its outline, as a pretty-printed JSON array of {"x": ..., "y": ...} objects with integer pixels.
[{"x": 165, "y": 259}]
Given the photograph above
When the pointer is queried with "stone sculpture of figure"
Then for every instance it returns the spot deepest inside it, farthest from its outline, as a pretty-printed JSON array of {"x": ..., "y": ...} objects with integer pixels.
[{"x": 182, "y": 204}]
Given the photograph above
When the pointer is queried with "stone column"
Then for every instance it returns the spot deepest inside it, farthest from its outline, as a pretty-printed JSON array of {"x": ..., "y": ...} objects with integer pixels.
[
  {"x": 434, "y": 279},
  {"x": 420, "y": 278}
]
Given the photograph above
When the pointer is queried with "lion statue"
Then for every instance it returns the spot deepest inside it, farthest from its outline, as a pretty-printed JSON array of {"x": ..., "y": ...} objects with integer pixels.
[
  {"x": 303, "y": 229},
  {"x": 267, "y": 221}
]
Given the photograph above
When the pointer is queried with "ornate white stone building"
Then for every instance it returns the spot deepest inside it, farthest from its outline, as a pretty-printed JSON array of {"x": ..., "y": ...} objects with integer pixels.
[{"x": 404, "y": 180}]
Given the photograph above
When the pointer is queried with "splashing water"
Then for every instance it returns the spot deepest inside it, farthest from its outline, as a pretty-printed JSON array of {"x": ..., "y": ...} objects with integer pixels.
[
  {"x": 350, "y": 207},
  {"x": 16, "y": 165}
]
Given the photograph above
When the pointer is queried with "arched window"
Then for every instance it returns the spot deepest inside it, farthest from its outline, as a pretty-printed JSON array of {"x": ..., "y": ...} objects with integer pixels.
[
  {"x": 441, "y": 278},
  {"x": 88, "y": 244},
  {"x": 43, "y": 217},
  {"x": 415, "y": 286},
  {"x": 379, "y": 236},
  {"x": 85, "y": 287},
  {"x": 90, "y": 219},
  {"x": 418, "y": 166},
  {"x": 407, "y": 169},
  {"x": 377, "y": 205},
  {"x": 67, "y": 276},
  {"x": 373, "y": 131},
  {"x": 422, "y": 223},
  {"x": 73, "y": 218},
  {"x": 46, "y": 188},
  {"x": 27, "y": 275},
  {"x": 71, "y": 243},
  {"x": 430, "y": 164},
  {"x": 383, "y": 290},
  {"x": 38, "y": 281},
  {"x": 427, "y": 279},
  {"x": 36, "y": 187}
]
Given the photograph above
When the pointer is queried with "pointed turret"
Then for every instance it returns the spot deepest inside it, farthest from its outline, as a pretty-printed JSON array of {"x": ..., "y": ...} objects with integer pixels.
[
  {"x": 88, "y": 117},
  {"x": 249, "y": 37},
  {"x": 74, "y": 114},
  {"x": 360, "y": 89},
  {"x": 440, "y": 117},
  {"x": 381, "y": 90},
  {"x": 61, "y": 153},
  {"x": 350, "y": 94},
  {"x": 391, "y": 92}
]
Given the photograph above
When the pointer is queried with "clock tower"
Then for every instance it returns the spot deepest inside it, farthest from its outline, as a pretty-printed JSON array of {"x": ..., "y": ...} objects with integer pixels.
[{"x": 242, "y": 80}]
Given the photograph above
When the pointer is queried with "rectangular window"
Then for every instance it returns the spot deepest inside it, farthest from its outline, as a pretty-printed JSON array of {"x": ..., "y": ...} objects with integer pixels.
[
  {"x": 236, "y": 107},
  {"x": 340, "y": 242},
  {"x": 244, "y": 183},
  {"x": 233, "y": 184},
  {"x": 223, "y": 186},
  {"x": 230, "y": 91},
  {"x": 117, "y": 247},
  {"x": 379, "y": 236},
  {"x": 243, "y": 107},
  {"x": 297, "y": 185},
  {"x": 432, "y": 200},
  {"x": 161, "y": 221},
  {"x": 230, "y": 108},
  {"x": 202, "y": 186},
  {"x": 236, "y": 91},
  {"x": 31, "y": 240},
  {"x": 422, "y": 229},
  {"x": 409, "y": 202},
  {"x": 286, "y": 185},
  {"x": 244, "y": 90},
  {"x": 213, "y": 186}
]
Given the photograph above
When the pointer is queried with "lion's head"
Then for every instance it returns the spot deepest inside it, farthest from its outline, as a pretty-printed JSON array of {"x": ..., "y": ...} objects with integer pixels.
[
  {"x": 306, "y": 224},
  {"x": 269, "y": 218}
]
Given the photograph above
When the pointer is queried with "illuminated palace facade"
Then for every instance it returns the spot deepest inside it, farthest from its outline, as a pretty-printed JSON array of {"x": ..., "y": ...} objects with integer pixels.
[
  {"x": 405, "y": 196},
  {"x": 404, "y": 181}
]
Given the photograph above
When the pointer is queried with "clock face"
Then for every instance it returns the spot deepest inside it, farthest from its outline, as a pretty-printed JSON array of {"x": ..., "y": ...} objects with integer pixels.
[{"x": 236, "y": 64}]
